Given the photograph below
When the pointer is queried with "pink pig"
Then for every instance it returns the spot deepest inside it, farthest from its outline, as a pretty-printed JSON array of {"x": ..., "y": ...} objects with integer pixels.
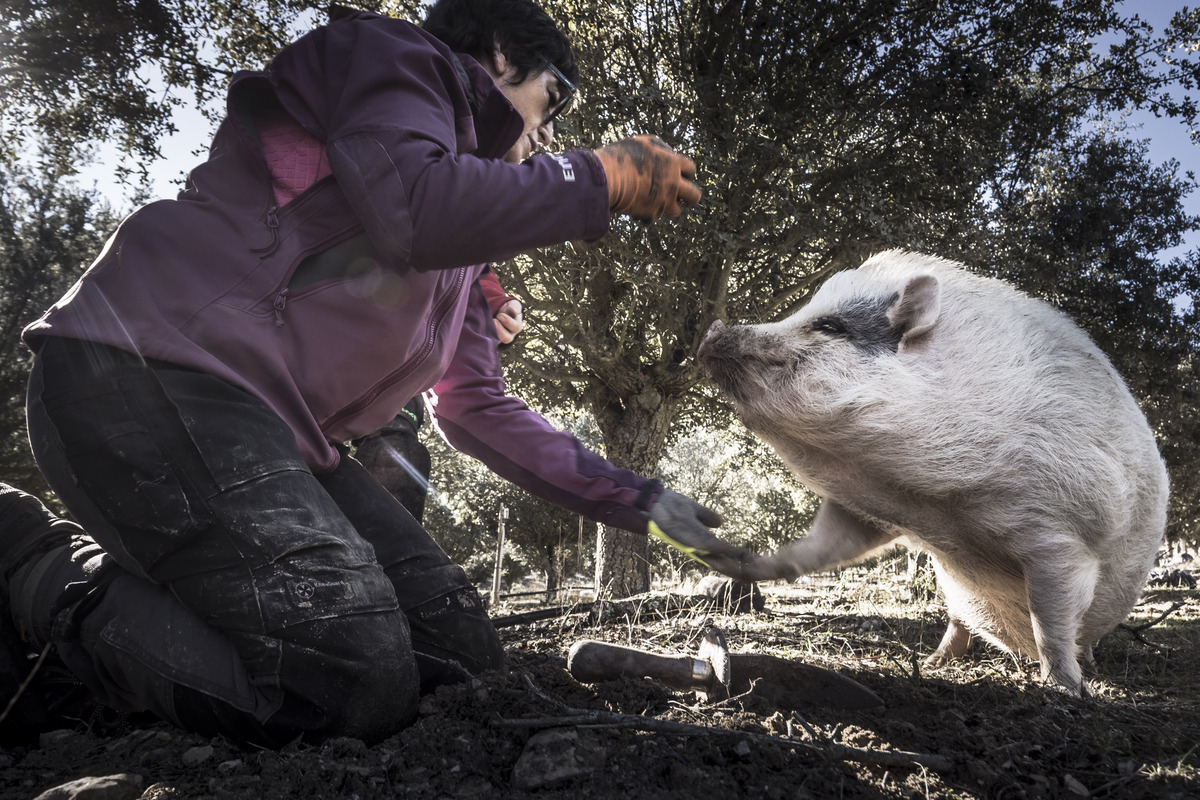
[{"x": 951, "y": 412}]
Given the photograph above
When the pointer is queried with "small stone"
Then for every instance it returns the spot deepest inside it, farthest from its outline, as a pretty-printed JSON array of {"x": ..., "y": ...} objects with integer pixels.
[
  {"x": 125, "y": 786},
  {"x": 474, "y": 786},
  {"x": 554, "y": 756},
  {"x": 230, "y": 767},
  {"x": 137, "y": 740},
  {"x": 1072, "y": 785},
  {"x": 197, "y": 755},
  {"x": 52, "y": 738},
  {"x": 742, "y": 749}
]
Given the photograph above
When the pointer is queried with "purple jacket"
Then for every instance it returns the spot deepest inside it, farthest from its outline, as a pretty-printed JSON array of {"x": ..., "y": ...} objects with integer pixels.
[{"x": 362, "y": 292}]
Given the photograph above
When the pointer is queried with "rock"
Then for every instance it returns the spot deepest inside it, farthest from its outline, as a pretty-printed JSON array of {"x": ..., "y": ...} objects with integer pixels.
[
  {"x": 125, "y": 786},
  {"x": 474, "y": 786},
  {"x": 197, "y": 755},
  {"x": 137, "y": 740},
  {"x": 1074, "y": 787},
  {"x": 52, "y": 738},
  {"x": 554, "y": 756}
]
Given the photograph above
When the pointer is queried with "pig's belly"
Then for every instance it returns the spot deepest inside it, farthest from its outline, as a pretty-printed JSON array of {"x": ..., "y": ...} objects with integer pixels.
[
  {"x": 996, "y": 606},
  {"x": 993, "y": 606}
]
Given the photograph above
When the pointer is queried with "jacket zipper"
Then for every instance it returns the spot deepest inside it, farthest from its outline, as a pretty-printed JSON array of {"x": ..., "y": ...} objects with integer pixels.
[
  {"x": 273, "y": 225},
  {"x": 439, "y": 313},
  {"x": 280, "y": 302}
]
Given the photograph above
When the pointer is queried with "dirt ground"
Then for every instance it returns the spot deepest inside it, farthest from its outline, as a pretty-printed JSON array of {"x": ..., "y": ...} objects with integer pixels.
[{"x": 983, "y": 727}]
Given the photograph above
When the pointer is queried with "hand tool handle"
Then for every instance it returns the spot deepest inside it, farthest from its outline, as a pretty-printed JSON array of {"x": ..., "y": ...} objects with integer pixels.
[{"x": 590, "y": 661}]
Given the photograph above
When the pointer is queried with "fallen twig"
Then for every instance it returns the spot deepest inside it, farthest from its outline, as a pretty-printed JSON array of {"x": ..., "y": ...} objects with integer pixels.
[
  {"x": 25, "y": 683},
  {"x": 1146, "y": 625},
  {"x": 837, "y": 752},
  {"x": 651, "y": 605},
  {"x": 541, "y": 614}
]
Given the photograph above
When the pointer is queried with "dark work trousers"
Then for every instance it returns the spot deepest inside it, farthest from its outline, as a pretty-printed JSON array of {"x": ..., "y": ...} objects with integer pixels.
[
  {"x": 238, "y": 593},
  {"x": 395, "y": 456}
]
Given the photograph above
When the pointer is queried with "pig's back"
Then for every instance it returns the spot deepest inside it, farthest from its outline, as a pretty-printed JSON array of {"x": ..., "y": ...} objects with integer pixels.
[{"x": 1038, "y": 424}]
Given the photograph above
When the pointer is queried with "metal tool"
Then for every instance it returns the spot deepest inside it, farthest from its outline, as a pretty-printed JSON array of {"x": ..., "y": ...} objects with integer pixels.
[{"x": 716, "y": 673}]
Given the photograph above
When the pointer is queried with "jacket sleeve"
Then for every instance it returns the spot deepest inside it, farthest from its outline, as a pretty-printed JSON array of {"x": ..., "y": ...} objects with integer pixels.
[
  {"x": 399, "y": 115},
  {"x": 478, "y": 418},
  {"x": 493, "y": 291}
]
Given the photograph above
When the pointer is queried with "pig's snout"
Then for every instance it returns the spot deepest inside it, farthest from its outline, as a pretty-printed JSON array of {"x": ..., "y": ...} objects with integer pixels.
[
  {"x": 723, "y": 354},
  {"x": 715, "y": 347},
  {"x": 714, "y": 333}
]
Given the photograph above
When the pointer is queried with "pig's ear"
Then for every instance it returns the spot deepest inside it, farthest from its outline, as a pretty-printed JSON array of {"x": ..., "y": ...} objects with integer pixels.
[{"x": 916, "y": 312}]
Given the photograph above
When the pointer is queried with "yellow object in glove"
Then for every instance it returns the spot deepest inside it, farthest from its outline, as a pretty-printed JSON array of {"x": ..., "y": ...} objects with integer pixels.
[{"x": 693, "y": 553}]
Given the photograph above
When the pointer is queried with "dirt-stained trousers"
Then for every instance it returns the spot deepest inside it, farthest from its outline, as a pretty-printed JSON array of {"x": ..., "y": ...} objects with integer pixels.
[{"x": 221, "y": 584}]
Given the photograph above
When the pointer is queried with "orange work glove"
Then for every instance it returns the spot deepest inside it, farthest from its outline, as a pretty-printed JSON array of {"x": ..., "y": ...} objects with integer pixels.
[{"x": 647, "y": 179}]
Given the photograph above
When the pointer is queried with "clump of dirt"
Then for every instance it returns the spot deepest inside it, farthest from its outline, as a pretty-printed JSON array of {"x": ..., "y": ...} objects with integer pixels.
[{"x": 983, "y": 727}]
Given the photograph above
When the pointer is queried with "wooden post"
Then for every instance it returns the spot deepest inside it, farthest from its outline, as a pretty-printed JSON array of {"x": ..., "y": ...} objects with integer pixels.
[{"x": 499, "y": 556}]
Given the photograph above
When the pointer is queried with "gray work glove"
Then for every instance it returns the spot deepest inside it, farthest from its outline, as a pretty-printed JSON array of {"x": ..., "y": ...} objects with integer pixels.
[{"x": 684, "y": 524}]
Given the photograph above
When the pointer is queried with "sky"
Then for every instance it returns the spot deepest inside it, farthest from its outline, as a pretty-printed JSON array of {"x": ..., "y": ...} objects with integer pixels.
[{"x": 1167, "y": 140}]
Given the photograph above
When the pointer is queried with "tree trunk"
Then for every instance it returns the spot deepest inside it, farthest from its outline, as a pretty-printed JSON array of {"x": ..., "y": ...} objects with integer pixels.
[
  {"x": 554, "y": 559},
  {"x": 622, "y": 563},
  {"x": 635, "y": 436}
]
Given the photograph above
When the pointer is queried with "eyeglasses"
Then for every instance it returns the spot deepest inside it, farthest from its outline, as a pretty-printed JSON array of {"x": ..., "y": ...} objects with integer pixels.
[{"x": 569, "y": 90}]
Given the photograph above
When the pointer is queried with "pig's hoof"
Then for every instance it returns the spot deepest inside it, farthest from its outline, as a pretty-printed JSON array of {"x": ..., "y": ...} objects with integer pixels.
[
  {"x": 938, "y": 659},
  {"x": 1068, "y": 687}
]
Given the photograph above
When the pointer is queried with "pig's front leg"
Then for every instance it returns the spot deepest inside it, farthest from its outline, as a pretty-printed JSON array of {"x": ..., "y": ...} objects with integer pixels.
[
  {"x": 954, "y": 643},
  {"x": 836, "y": 537}
]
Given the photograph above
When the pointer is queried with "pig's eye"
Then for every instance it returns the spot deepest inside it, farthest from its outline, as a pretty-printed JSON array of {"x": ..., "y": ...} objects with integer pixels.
[{"x": 830, "y": 325}]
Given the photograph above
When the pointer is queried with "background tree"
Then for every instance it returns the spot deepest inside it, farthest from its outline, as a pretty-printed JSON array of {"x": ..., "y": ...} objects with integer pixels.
[
  {"x": 50, "y": 230},
  {"x": 824, "y": 131},
  {"x": 462, "y": 515},
  {"x": 78, "y": 72}
]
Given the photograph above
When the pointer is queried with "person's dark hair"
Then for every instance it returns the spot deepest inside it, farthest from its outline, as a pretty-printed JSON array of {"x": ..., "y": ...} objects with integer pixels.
[{"x": 525, "y": 33}]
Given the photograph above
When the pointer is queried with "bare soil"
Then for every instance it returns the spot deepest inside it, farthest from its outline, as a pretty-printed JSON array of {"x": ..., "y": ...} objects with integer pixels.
[{"x": 983, "y": 727}]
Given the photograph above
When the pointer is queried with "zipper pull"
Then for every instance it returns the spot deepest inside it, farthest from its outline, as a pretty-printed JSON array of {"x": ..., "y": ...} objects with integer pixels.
[
  {"x": 273, "y": 224},
  {"x": 280, "y": 302}
]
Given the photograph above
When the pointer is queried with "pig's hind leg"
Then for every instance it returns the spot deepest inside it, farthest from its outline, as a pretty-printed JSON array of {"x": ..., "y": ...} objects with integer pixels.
[{"x": 1061, "y": 584}]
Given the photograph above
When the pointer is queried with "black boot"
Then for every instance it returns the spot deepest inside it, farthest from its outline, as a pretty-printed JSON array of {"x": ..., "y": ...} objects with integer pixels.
[{"x": 37, "y": 693}]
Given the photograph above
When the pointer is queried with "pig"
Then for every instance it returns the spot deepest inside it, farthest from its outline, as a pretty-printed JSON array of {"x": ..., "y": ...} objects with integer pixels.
[{"x": 930, "y": 406}]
